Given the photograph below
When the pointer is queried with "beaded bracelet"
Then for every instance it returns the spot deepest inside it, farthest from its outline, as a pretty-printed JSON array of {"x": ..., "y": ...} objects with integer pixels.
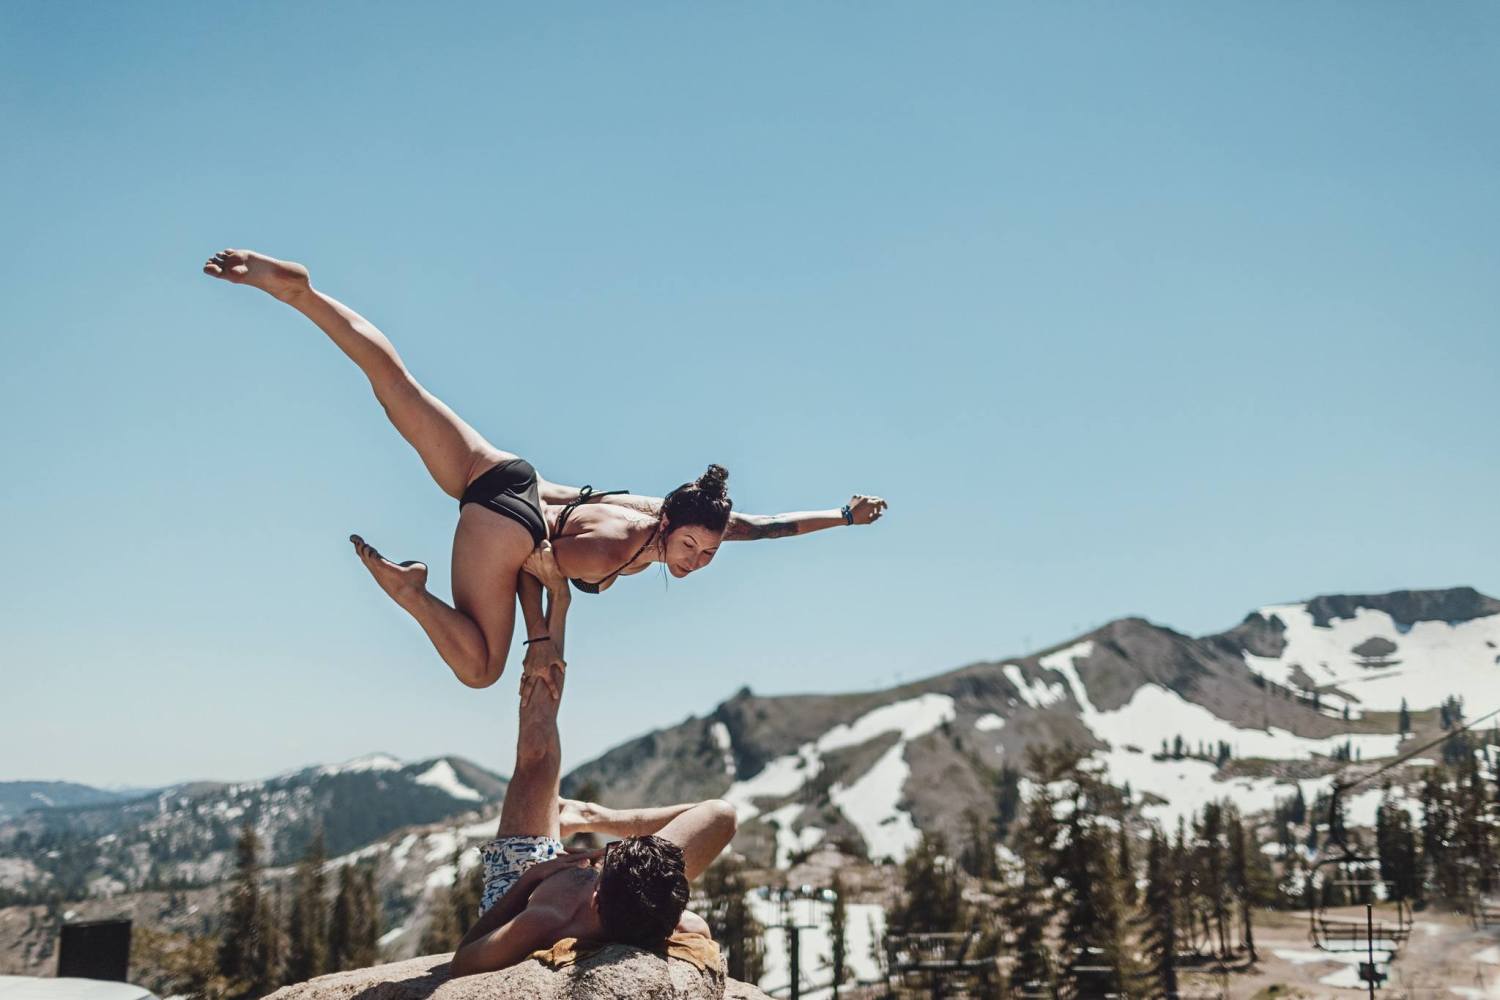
[{"x": 848, "y": 513}]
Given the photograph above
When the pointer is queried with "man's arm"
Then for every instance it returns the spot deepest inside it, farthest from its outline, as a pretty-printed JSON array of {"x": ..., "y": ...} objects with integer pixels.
[
  {"x": 702, "y": 832},
  {"x": 509, "y": 943},
  {"x": 501, "y": 934}
]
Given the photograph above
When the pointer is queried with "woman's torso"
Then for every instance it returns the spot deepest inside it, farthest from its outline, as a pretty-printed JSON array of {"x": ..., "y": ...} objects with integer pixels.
[{"x": 599, "y": 542}]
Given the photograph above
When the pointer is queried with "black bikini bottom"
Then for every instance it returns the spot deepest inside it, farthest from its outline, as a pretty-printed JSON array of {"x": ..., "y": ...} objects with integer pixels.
[{"x": 510, "y": 489}]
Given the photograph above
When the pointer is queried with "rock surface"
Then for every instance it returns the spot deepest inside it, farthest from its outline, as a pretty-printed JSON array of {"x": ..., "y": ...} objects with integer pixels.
[{"x": 617, "y": 971}]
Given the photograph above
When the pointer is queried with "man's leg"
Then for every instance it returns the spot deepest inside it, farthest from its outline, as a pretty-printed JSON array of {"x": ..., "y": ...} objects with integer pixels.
[{"x": 531, "y": 800}]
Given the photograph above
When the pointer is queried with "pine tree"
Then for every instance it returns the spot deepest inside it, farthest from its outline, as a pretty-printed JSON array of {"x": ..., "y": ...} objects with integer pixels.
[
  {"x": 1007, "y": 799},
  {"x": 1026, "y": 912},
  {"x": 367, "y": 936},
  {"x": 838, "y": 938},
  {"x": 307, "y": 930},
  {"x": 1241, "y": 884},
  {"x": 978, "y": 854},
  {"x": 931, "y": 897},
  {"x": 1159, "y": 935},
  {"x": 354, "y": 927},
  {"x": 247, "y": 948},
  {"x": 274, "y": 954},
  {"x": 468, "y": 890},
  {"x": 1129, "y": 891},
  {"x": 740, "y": 935},
  {"x": 1097, "y": 955},
  {"x": 454, "y": 912},
  {"x": 1213, "y": 887},
  {"x": 1403, "y": 721},
  {"x": 441, "y": 932}
]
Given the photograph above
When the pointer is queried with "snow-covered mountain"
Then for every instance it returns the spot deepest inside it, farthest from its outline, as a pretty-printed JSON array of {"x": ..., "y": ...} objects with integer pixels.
[
  {"x": 1243, "y": 714},
  {"x": 184, "y": 835}
]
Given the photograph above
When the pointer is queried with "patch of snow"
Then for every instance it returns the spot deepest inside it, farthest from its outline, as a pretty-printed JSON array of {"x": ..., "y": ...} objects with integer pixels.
[
  {"x": 872, "y": 802},
  {"x": 44, "y": 800},
  {"x": 789, "y": 842},
  {"x": 864, "y": 925},
  {"x": 369, "y": 762},
  {"x": 1489, "y": 955},
  {"x": 442, "y": 777},
  {"x": 368, "y": 851},
  {"x": 391, "y": 935},
  {"x": 989, "y": 722},
  {"x": 442, "y": 876},
  {"x": 442, "y": 844},
  {"x": 484, "y": 829},
  {"x": 720, "y": 734},
  {"x": 1433, "y": 658},
  {"x": 1039, "y": 695},
  {"x": 1188, "y": 784},
  {"x": 400, "y": 852}
]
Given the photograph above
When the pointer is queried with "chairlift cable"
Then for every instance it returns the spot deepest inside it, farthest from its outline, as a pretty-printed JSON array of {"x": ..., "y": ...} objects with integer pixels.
[{"x": 1343, "y": 786}]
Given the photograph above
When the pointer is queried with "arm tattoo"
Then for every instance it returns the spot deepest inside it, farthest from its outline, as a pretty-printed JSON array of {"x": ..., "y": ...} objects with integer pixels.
[{"x": 754, "y": 530}]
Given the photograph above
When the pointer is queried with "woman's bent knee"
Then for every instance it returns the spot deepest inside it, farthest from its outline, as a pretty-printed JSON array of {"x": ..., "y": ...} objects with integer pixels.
[{"x": 482, "y": 677}]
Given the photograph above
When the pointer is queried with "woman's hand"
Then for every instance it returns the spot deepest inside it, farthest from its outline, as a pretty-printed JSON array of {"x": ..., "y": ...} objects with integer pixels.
[
  {"x": 543, "y": 664},
  {"x": 866, "y": 509}
]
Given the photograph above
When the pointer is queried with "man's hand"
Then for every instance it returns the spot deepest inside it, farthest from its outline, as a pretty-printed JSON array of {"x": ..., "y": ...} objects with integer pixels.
[
  {"x": 866, "y": 509},
  {"x": 545, "y": 664},
  {"x": 548, "y": 679},
  {"x": 543, "y": 870},
  {"x": 542, "y": 564}
]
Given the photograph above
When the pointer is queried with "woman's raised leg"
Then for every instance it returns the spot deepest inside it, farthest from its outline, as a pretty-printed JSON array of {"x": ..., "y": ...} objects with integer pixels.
[
  {"x": 473, "y": 635},
  {"x": 454, "y": 453}
]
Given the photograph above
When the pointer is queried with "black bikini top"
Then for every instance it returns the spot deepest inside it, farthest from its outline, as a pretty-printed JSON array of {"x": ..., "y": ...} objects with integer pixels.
[{"x": 584, "y": 496}]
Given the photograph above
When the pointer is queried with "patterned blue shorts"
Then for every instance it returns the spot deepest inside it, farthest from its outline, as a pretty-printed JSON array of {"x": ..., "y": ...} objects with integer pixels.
[{"x": 506, "y": 858}]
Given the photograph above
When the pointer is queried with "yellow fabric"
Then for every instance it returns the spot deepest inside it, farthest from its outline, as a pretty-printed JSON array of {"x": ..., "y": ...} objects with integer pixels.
[{"x": 701, "y": 951}]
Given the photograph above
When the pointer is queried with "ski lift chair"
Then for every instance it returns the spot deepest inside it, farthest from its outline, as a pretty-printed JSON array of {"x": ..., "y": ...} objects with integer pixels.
[
  {"x": 1361, "y": 873},
  {"x": 1349, "y": 934},
  {"x": 940, "y": 961}
]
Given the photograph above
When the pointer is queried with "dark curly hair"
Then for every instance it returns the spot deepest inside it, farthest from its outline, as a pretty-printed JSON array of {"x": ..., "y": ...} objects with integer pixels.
[
  {"x": 642, "y": 891},
  {"x": 703, "y": 503}
]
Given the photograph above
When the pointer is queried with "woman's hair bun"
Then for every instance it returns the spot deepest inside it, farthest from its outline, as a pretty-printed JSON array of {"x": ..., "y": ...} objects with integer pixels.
[{"x": 713, "y": 484}]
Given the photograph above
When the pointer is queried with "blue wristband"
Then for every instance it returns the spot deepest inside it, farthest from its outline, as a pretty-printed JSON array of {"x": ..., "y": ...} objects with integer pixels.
[{"x": 848, "y": 513}]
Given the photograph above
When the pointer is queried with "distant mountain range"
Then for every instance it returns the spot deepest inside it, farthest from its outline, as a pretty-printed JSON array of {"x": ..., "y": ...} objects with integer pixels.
[
  {"x": 101, "y": 844},
  {"x": 17, "y": 797}
]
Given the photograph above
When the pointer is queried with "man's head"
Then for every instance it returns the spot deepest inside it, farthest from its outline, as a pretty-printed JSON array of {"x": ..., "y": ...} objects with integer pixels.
[{"x": 642, "y": 890}]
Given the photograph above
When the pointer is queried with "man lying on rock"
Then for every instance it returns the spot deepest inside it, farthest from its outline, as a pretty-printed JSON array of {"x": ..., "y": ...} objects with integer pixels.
[{"x": 634, "y": 891}]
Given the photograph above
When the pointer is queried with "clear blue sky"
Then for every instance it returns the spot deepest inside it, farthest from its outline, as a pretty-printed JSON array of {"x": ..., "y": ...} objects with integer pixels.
[{"x": 1170, "y": 309}]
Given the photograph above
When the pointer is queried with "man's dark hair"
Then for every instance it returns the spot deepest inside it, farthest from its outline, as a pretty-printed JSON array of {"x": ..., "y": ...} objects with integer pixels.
[{"x": 642, "y": 891}]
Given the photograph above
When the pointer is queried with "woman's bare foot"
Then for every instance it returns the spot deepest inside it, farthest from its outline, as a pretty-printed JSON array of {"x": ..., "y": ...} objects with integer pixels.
[
  {"x": 404, "y": 582},
  {"x": 281, "y": 278}
]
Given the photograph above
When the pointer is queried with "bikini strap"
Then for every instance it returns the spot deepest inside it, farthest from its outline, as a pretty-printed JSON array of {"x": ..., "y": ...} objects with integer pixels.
[{"x": 585, "y": 494}]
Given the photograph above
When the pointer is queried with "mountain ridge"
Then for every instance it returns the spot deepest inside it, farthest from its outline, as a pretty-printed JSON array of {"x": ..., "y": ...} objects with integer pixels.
[{"x": 783, "y": 762}]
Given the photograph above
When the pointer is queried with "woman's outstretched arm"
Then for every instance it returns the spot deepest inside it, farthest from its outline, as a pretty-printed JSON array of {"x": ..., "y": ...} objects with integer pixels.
[
  {"x": 743, "y": 527},
  {"x": 753, "y": 527}
]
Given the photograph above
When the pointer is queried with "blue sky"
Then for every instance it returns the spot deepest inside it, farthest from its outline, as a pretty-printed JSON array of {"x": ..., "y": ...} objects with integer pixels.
[{"x": 1160, "y": 309}]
